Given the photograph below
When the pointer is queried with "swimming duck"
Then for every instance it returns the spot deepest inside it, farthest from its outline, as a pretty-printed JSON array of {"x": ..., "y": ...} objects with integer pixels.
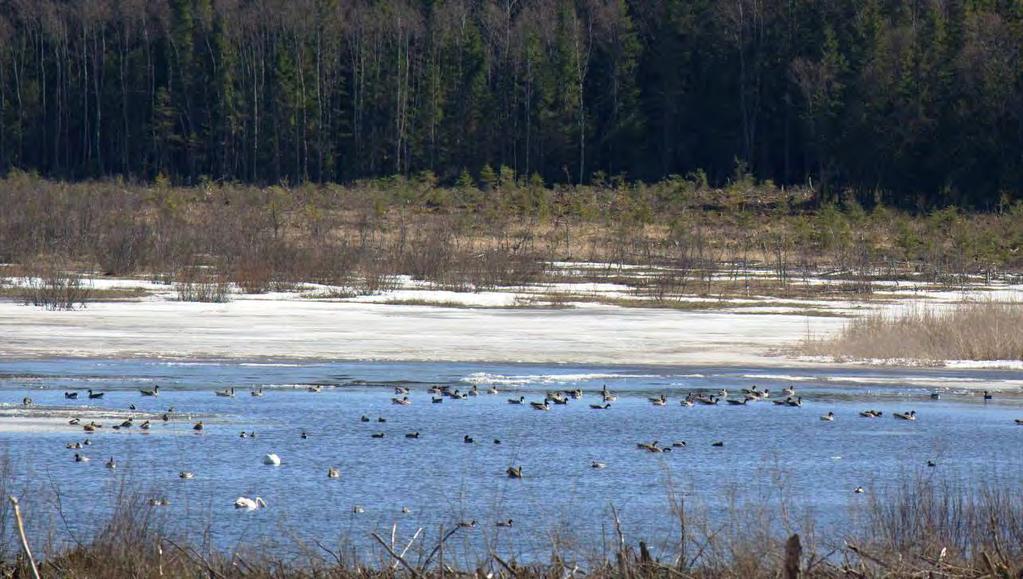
[
  {"x": 377, "y": 435},
  {"x": 518, "y": 400},
  {"x": 830, "y": 416},
  {"x": 467, "y": 524},
  {"x": 198, "y": 426},
  {"x": 405, "y": 510},
  {"x": 381, "y": 419},
  {"x": 145, "y": 425},
  {"x": 600, "y": 406},
  {"x": 514, "y": 472},
  {"x": 73, "y": 445},
  {"x": 159, "y": 502},
  {"x": 859, "y": 490},
  {"x": 154, "y": 392},
  {"x": 358, "y": 509},
  {"x": 987, "y": 395},
  {"x": 333, "y": 472},
  {"x": 596, "y": 464},
  {"x": 364, "y": 418},
  {"x": 497, "y": 441},
  {"x": 315, "y": 389},
  {"x": 659, "y": 401},
  {"x": 717, "y": 444},
  {"x": 249, "y": 504},
  {"x": 931, "y": 463},
  {"x": 911, "y": 415},
  {"x": 95, "y": 395},
  {"x": 679, "y": 444},
  {"x": 401, "y": 401},
  {"x": 492, "y": 390},
  {"x": 71, "y": 395},
  {"x": 468, "y": 439},
  {"x": 507, "y": 523},
  {"x": 412, "y": 434},
  {"x": 185, "y": 475},
  {"x": 304, "y": 435},
  {"x": 475, "y": 391},
  {"x": 81, "y": 458},
  {"x": 165, "y": 417},
  {"x": 26, "y": 401},
  {"x": 74, "y": 421}
]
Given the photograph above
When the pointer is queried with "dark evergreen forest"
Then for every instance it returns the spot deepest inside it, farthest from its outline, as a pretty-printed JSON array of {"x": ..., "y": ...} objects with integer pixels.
[{"x": 918, "y": 103}]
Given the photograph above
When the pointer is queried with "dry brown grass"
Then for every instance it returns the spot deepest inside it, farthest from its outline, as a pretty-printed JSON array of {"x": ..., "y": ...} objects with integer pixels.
[{"x": 968, "y": 331}]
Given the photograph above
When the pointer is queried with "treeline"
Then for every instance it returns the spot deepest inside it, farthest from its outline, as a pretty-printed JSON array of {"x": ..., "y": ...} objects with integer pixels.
[{"x": 915, "y": 102}]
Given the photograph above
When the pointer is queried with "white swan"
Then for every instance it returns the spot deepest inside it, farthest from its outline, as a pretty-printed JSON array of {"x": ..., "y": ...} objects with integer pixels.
[
  {"x": 272, "y": 460},
  {"x": 249, "y": 504}
]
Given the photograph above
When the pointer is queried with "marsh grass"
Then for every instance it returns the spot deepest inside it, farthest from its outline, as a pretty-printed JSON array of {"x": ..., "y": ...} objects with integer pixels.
[{"x": 987, "y": 330}]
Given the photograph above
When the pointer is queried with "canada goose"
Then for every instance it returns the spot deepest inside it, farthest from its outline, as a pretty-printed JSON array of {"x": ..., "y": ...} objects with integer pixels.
[
  {"x": 468, "y": 439},
  {"x": 790, "y": 391},
  {"x": 26, "y": 401},
  {"x": 159, "y": 502},
  {"x": 185, "y": 475},
  {"x": 935, "y": 395},
  {"x": 154, "y": 392},
  {"x": 165, "y": 417},
  {"x": 377, "y": 435},
  {"x": 475, "y": 391},
  {"x": 412, "y": 435},
  {"x": 243, "y": 434},
  {"x": 272, "y": 459},
  {"x": 723, "y": 394},
  {"x": 541, "y": 405},
  {"x": 381, "y": 419},
  {"x": 315, "y": 389},
  {"x": 145, "y": 425},
  {"x": 507, "y": 523},
  {"x": 401, "y": 401},
  {"x": 911, "y": 415},
  {"x": 256, "y": 392},
  {"x": 89, "y": 428},
  {"x": 709, "y": 401},
  {"x": 737, "y": 402},
  {"x": 987, "y": 395},
  {"x": 795, "y": 402},
  {"x": 86, "y": 442},
  {"x": 717, "y": 444},
  {"x": 111, "y": 464},
  {"x": 226, "y": 393},
  {"x": 249, "y": 504},
  {"x": 71, "y": 395},
  {"x": 95, "y": 395},
  {"x": 518, "y": 400},
  {"x": 333, "y": 472},
  {"x": 435, "y": 390},
  {"x": 128, "y": 423},
  {"x": 73, "y": 445},
  {"x": 575, "y": 394},
  {"x": 830, "y": 416},
  {"x": 600, "y": 406},
  {"x": 679, "y": 444},
  {"x": 304, "y": 435},
  {"x": 859, "y": 490},
  {"x": 437, "y": 399},
  {"x": 364, "y": 418},
  {"x": 688, "y": 402},
  {"x": 871, "y": 413},
  {"x": 648, "y": 446},
  {"x": 198, "y": 426},
  {"x": 467, "y": 524},
  {"x": 358, "y": 509},
  {"x": 492, "y": 390},
  {"x": 74, "y": 421},
  {"x": 659, "y": 401},
  {"x": 596, "y": 464},
  {"x": 131, "y": 407},
  {"x": 514, "y": 472},
  {"x": 399, "y": 390},
  {"x": 81, "y": 458}
]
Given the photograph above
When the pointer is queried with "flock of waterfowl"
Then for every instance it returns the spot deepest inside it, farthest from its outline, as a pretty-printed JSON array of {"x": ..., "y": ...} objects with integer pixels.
[{"x": 440, "y": 393}]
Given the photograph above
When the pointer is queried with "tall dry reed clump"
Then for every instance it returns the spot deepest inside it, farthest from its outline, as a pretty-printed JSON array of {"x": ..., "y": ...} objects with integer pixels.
[{"x": 969, "y": 331}]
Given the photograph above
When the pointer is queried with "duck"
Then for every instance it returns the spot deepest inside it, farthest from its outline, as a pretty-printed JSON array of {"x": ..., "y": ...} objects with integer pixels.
[
  {"x": 165, "y": 417},
  {"x": 185, "y": 475},
  {"x": 492, "y": 390},
  {"x": 381, "y": 419},
  {"x": 74, "y": 421},
  {"x": 987, "y": 396},
  {"x": 71, "y": 395},
  {"x": 497, "y": 441},
  {"x": 159, "y": 502},
  {"x": 377, "y": 435},
  {"x": 468, "y": 439},
  {"x": 437, "y": 399},
  {"x": 198, "y": 426},
  {"x": 272, "y": 459},
  {"x": 95, "y": 395},
  {"x": 659, "y": 401},
  {"x": 859, "y": 490},
  {"x": 648, "y": 446},
  {"x": 737, "y": 402},
  {"x": 364, "y": 418},
  {"x": 256, "y": 392},
  {"x": 518, "y": 400},
  {"x": 412, "y": 434},
  {"x": 249, "y": 504},
  {"x": 333, "y": 472},
  {"x": 154, "y": 392},
  {"x": 475, "y": 391},
  {"x": 467, "y": 524},
  {"x": 111, "y": 464},
  {"x": 314, "y": 389},
  {"x": 794, "y": 402},
  {"x": 304, "y": 435},
  {"x": 226, "y": 393},
  {"x": 545, "y": 405},
  {"x": 911, "y": 415},
  {"x": 829, "y": 417},
  {"x": 717, "y": 444},
  {"x": 931, "y": 463},
  {"x": 358, "y": 509},
  {"x": 507, "y": 523},
  {"x": 604, "y": 406},
  {"x": 131, "y": 407},
  {"x": 145, "y": 425},
  {"x": 871, "y": 413},
  {"x": 81, "y": 458},
  {"x": 26, "y": 401},
  {"x": 598, "y": 465},
  {"x": 679, "y": 444},
  {"x": 401, "y": 401},
  {"x": 514, "y": 472}
]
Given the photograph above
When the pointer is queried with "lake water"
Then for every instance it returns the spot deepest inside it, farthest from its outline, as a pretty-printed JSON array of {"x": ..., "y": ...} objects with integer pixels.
[{"x": 768, "y": 450}]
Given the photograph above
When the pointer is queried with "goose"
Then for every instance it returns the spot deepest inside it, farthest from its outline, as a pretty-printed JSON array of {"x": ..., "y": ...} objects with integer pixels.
[
  {"x": 405, "y": 510},
  {"x": 723, "y": 394},
  {"x": 679, "y": 444},
  {"x": 73, "y": 445},
  {"x": 95, "y": 395},
  {"x": 399, "y": 390},
  {"x": 709, "y": 401},
  {"x": 475, "y": 391},
  {"x": 401, "y": 401},
  {"x": 257, "y": 392},
  {"x": 541, "y": 405},
  {"x": 185, "y": 475},
  {"x": 688, "y": 402},
  {"x": 467, "y": 524},
  {"x": 514, "y": 472},
  {"x": 829, "y": 417},
  {"x": 609, "y": 397},
  {"x": 249, "y": 504},
  {"x": 437, "y": 399},
  {"x": 333, "y": 472},
  {"x": 859, "y": 490},
  {"x": 165, "y": 417},
  {"x": 226, "y": 393},
  {"x": 435, "y": 390},
  {"x": 145, "y": 425},
  {"x": 131, "y": 407},
  {"x": 364, "y": 418},
  {"x": 198, "y": 426},
  {"x": 314, "y": 389},
  {"x": 575, "y": 394},
  {"x": 272, "y": 459},
  {"x": 492, "y": 390},
  {"x": 92, "y": 426},
  {"x": 412, "y": 434},
  {"x": 935, "y": 395},
  {"x": 871, "y": 413},
  {"x": 987, "y": 396},
  {"x": 154, "y": 392},
  {"x": 111, "y": 464},
  {"x": 81, "y": 458},
  {"x": 518, "y": 400},
  {"x": 159, "y": 502},
  {"x": 648, "y": 446},
  {"x": 26, "y": 401},
  {"x": 71, "y": 395},
  {"x": 560, "y": 400},
  {"x": 468, "y": 439},
  {"x": 86, "y": 442},
  {"x": 600, "y": 406},
  {"x": 659, "y": 401},
  {"x": 1019, "y": 421},
  {"x": 381, "y": 419},
  {"x": 507, "y": 523},
  {"x": 794, "y": 402},
  {"x": 74, "y": 421},
  {"x": 243, "y": 434},
  {"x": 782, "y": 402},
  {"x": 790, "y": 391},
  {"x": 737, "y": 402},
  {"x": 358, "y": 509},
  {"x": 911, "y": 415},
  {"x": 717, "y": 444},
  {"x": 596, "y": 464},
  {"x": 377, "y": 435},
  {"x": 128, "y": 423}
]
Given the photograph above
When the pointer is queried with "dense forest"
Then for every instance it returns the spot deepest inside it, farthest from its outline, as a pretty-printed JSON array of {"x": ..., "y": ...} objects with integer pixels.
[{"x": 916, "y": 103}]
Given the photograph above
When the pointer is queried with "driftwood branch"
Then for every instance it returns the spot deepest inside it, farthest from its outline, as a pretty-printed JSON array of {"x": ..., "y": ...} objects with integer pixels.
[
  {"x": 24, "y": 539},
  {"x": 396, "y": 556}
]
